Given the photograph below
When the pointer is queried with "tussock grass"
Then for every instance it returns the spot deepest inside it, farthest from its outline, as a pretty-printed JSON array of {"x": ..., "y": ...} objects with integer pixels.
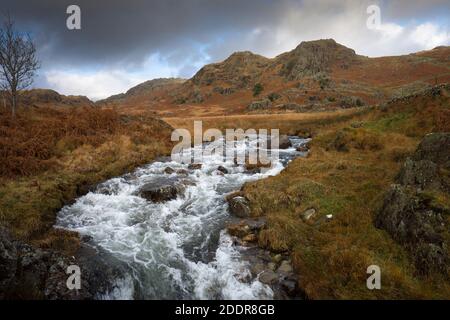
[
  {"x": 346, "y": 174},
  {"x": 49, "y": 157}
]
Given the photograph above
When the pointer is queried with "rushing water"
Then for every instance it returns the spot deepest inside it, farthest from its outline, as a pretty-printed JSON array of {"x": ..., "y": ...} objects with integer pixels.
[{"x": 178, "y": 249}]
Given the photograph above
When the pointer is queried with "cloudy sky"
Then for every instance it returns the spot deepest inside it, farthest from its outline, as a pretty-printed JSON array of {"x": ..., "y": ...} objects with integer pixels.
[{"x": 122, "y": 43}]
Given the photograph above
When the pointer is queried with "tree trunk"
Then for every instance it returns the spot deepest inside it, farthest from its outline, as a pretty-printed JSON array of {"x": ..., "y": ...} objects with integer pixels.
[{"x": 13, "y": 103}]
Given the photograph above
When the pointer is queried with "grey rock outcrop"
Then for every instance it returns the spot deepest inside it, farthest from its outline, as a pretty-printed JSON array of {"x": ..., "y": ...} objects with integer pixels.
[
  {"x": 259, "y": 105},
  {"x": 29, "y": 273},
  {"x": 412, "y": 213}
]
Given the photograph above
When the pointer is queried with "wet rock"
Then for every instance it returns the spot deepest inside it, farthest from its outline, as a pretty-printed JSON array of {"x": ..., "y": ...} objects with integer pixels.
[
  {"x": 161, "y": 190},
  {"x": 271, "y": 266},
  {"x": 182, "y": 172},
  {"x": 252, "y": 170},
  {"x": 304, "y": 147},
  {"x": 107, "y": 189},
  {"x": 277, "y": 258},
  {"x": 169, "y": 170},
  {"x": 268, "y": 277},
  {"x": 290, "y": 286},
  {"x": 256, "y": 225},
  {"x": 187, "y": 182},
  {"x": 239, "y": 206},
  {"x": 27, "y": 272},
  {"x": 285, "y": 143},
  {"x": 195, "y": 166},
  {"x": 250, "y": 238},
  {"x": 257, "y": 268},
  {"x": 285, "y": 268},
  {"x": 86, "y": 238},
  {"x": 100, "y": 270},
  {"x": 412, "y": 213},
  {"x": 308, "y": 214},
  {"x": 239, "y": 230},
  {"x": 222, "y": 169}
]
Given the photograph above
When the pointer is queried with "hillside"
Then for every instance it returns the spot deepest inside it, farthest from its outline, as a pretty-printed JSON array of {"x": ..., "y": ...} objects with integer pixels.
[
  {"x": 51, "y": 98},
  {"x": 372, "y": 190},
  {"x": 144, "y": 92},
  {"x": 317, "y": 75}
]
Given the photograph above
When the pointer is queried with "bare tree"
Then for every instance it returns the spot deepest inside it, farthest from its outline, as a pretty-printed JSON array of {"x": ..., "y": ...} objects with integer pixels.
[{"x": 18, "y": 62}]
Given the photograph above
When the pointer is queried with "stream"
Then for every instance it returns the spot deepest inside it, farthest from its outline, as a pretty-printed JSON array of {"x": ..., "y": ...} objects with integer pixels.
[{"x": 177, "y": 249}]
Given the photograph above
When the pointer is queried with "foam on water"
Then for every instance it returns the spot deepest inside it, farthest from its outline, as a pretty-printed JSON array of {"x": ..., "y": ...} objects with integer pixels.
[{"x": 177, "y": 249}]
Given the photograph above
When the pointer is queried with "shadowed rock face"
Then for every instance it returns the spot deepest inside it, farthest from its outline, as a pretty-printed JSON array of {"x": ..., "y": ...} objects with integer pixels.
[
  {"x": 412, "y": 213},
  {"x": 28, "y": 273}
]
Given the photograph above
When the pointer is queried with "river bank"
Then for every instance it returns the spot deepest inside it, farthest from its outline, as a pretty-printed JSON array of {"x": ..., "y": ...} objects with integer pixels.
[{"x": 174, "y": 244}]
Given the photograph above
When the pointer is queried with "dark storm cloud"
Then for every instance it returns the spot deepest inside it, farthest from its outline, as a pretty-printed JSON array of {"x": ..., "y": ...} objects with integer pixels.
[
  {"x": 124, "y": 42},
  {"x": 127, "y": 31}
]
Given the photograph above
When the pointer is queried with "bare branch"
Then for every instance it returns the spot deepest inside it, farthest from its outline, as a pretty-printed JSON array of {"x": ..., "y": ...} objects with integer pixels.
[{"x": 18, "y": 61}]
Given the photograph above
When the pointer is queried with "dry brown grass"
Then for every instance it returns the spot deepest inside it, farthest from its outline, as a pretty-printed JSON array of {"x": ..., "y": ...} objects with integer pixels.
[
  {"x": 288, "y": 123},
  {"x": 31, "y": 142},
  {"x": 51, "y": 156}
]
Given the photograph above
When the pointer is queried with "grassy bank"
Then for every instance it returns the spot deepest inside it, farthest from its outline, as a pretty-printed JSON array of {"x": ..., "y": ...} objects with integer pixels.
[
  {"x": 351, "y": 165},
  {"x": 288, "y": 123},
  {"x": 49, "y": 157}
]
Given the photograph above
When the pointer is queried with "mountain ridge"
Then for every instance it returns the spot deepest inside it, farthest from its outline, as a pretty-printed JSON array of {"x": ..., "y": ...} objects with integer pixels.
[{"x": 316, "y": 75}]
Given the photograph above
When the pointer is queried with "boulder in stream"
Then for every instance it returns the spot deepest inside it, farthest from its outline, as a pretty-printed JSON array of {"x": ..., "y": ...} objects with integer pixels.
[
  {"x": 222, "y": 169},
  {"x": 161, "y": 190},
  {"x": 283, "y": 142},
  {"x": 195, "y": 166},
  {"x": 169, "y": 170},
  {"x": 239, "y": 206}
]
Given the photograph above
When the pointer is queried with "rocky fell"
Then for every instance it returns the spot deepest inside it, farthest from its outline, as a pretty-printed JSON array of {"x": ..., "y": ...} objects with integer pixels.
[
  {"x": 316, "y": 75},
  {"x": 47, "y": 97}
]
